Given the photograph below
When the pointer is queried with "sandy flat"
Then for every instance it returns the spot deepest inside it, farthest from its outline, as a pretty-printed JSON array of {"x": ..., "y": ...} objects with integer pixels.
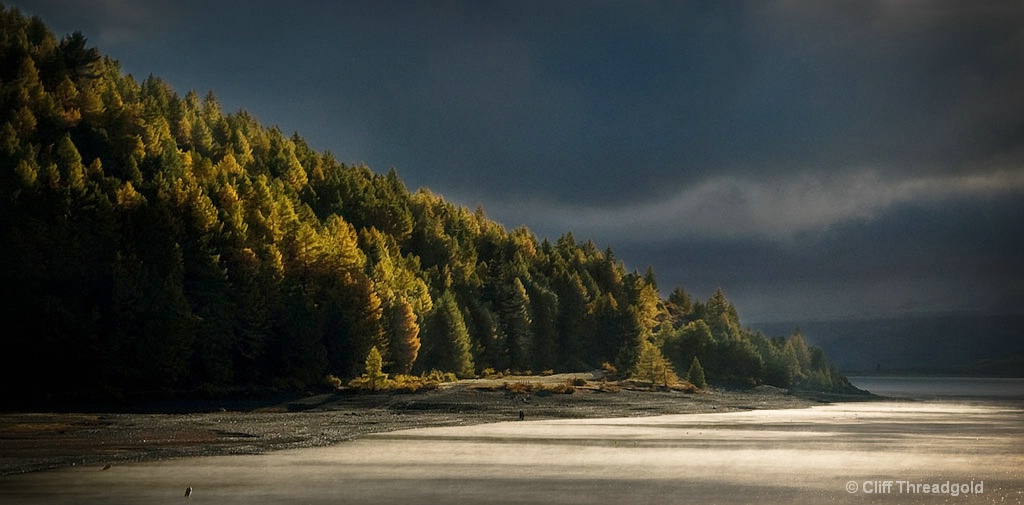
[{"x": 810, "y": 455}]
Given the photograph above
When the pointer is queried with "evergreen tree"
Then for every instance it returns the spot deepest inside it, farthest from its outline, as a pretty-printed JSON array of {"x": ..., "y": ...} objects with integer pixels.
[
  {"x": 652, "y": 367},
  {"x": 571, "y": 319},
  {"x": 721, "y": 317},
  {"x": 605, "y": 330},
  {"x": 515, "y": 324},
  {"x": 446, "y": 341},
  {"x": 544, "y": 314},
  {"x": 487, "y": 344},
  {"x": 70, "y": 164},
  {"x": 782, "y": 368},
  {"x": 647, "y": 302},
  {"x": 630, "y": 336},
  {"x": 695, "y": 375},
  {"x": 691, "y": 341},
  {"x": 374, "y": 373},
  {"x": 680, "y": 305},
  {"x": 405, "y": 341}
]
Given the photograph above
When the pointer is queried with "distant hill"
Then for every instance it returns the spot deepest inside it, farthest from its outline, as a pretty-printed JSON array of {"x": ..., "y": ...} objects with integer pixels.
[{"x": 947, "y": 344}]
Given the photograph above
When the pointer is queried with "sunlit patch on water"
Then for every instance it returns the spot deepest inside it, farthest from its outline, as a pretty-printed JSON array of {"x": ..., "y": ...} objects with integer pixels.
[{"x": 785, "y": 456}]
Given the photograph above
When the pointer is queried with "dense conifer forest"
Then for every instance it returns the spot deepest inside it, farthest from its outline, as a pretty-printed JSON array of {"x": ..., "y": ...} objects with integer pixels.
[{"x": 153, "y": 244}]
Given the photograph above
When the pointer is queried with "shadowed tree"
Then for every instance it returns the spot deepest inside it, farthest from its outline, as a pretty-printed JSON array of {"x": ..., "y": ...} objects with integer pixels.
[
  {"x": 79, "y": 61},
  {"x": 696, "y": 374},
  {"x": 721, "y": 317},
  {"x": 680, "y": 305},
  {"x": 544, "y": 312},
  {"x": 446, "y": 340},
  {"x": 515, "y": 324}
]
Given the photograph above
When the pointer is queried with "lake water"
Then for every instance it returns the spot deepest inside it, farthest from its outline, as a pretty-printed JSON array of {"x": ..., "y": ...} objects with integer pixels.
[
  {"x": 941, "y": 450},
  {"x": 932, "y": 388}
]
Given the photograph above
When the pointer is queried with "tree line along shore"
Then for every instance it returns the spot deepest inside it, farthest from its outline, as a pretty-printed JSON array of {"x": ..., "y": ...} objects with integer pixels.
[{"x": 157, "y": 247}]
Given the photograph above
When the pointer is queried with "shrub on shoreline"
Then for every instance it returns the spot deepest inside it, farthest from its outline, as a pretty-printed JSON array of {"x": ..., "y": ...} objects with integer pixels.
[{"x": 403, "y": 383}]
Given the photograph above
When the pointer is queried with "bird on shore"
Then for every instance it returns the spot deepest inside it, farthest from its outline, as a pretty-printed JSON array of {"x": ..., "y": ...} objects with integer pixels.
[
  {"x": 106, "y": 467},
  {"x": 188, "y": 491}
]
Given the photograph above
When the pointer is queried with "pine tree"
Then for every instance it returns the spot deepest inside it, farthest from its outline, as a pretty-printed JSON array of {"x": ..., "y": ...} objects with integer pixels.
[
  {"x": 652, "y": 367},
  {"x": 374, "y": 374},
  {"x": 680, "y": 305},
  {"x": 691, "y": 341},
  {"x": 721, "y": 317},
  {"x": 695, "y": 375},
  {"x": 544, "y": 305},
  {"x": 516, "y": 324},
  {"x": 70, "y": 164},
  {"x": 405, "y": 340},
  {"x": 647, "y": 302},
  {"x": 572, "y": 312},
  {"x": 446, "y": 342}
]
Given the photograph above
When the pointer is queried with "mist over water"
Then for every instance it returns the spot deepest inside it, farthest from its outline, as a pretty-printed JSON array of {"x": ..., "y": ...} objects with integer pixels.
[{"x": 843, "y": 453}]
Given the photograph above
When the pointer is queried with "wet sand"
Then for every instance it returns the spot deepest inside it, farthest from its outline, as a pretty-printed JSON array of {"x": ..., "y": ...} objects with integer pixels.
[{"x": 811, "y": 455}]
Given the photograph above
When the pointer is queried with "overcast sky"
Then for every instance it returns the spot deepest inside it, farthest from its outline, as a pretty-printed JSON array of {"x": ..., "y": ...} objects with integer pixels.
[{"x": 815, "y": 159}]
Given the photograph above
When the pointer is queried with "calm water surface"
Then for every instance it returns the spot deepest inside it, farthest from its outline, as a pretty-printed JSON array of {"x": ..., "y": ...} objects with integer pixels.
[
  {"x": 967, "y": 433},
  {"x": 931, "y": 388},
  {"x": 851, "y": 453}
]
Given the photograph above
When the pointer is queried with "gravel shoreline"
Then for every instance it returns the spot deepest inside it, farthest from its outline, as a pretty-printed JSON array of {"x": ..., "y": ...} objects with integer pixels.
[{"x": 39, "y": 441}]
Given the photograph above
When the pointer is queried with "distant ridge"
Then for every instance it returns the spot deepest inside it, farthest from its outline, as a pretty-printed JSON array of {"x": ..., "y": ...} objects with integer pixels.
[{"x": 942, "y": 344}]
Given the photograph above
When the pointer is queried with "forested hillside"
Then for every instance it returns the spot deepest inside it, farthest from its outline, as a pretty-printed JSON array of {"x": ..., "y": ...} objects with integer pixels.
[{"x": 153, "y": 244}]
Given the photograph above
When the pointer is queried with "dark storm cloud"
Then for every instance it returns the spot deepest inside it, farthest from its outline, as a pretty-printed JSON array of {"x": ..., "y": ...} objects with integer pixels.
[
  {"x": 600, "y": 100},
  {"x": 966, "y": 256},
  {"x": 772, "y": 147}
]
